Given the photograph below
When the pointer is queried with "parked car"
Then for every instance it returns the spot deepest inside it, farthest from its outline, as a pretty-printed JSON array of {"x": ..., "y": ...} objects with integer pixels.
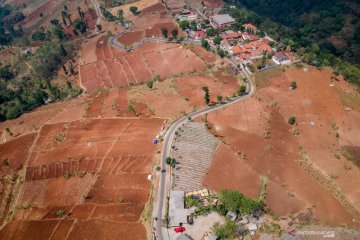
[
  {"x": 179, "y": 229},
  {"x": 190, "y": 219}
]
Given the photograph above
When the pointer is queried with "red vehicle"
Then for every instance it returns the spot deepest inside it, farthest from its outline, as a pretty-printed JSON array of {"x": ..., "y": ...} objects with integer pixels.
[{"x": 179, "y": 229}]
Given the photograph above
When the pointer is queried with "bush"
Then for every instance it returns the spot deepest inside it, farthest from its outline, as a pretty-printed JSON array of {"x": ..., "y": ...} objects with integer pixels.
[
  {"x": 150, "y": 84},
  {"x": 219, "y": 98},
  {"x": 242, "y": 90},
  {"x": 292, "y": 120},
  {"x": 133, "y": 9},
  {"x": 293, "y": 85},
  {"x": 60, "y": 213},
  {"x": 226, "y": 230}
]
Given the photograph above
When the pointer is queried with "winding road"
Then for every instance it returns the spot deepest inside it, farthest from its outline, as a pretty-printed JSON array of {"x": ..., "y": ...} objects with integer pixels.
[{"x": 164, "y": 181}]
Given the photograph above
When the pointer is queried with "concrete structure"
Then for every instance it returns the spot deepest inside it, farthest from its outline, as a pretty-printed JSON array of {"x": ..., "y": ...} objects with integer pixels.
[
  {"x": 222, "y": 21},
  {"x": 280, "y": 57},
  {"x": 183, "y": 237},
  {"x": 177, "y": 212}
]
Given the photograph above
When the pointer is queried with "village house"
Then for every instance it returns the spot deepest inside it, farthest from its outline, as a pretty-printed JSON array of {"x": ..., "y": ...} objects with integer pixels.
[
  {"x": 222, "y": 21},
  {"x": 250, "y": 27},
  {"x": 280, "y": 57},
  {"x": 230, "y": 35}
]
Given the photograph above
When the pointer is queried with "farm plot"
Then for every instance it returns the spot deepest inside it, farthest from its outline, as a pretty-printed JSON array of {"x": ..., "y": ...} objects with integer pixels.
[
  {"x": 294, "y": 158},
  {"x": 137, "y": 67},
  {"x": 193, "y": 149},
  {"x": 85, "y": 175}
]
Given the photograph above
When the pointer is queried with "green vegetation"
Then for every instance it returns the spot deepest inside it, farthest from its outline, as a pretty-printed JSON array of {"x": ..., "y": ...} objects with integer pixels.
[
  {"x": 115, "y": 3},
  {"x": 219, "y": 98},
  {"x": 5, "y": 162},
  {"x": 205, "y": 44},
  {"x": 293, "y": 85},
  {"x": 8, "y": 18},
  {"x": 171, "y": 161},
  {"x": 242, "y": 90},
  {"x": 183, "y": 24},
  {"x": 292, "y": 120},
  {"x": 150, "y": 84},
  {"x": 323, "y": 33},
  {"x": 210, "y": 32},
  {"x": 217, "y": 40},
  {"x": 60, "y": 213},
  {"x": 236, "y": 202},
  {"x": 207, "y": 95},
  {"x": 27, "y": 85},
  {"x": 226, "y": 230},
  {"x": 108, "y": 15},
  {"x": 174, "y": 33},
  {"x": 165, "y": 32},
  {"x": 133, "y": 9}
]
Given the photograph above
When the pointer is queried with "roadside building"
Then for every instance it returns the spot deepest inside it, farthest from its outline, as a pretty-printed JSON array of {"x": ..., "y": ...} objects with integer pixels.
[
  {"x": 177, "y": 211},
  {"x": 222, "y": 21}
]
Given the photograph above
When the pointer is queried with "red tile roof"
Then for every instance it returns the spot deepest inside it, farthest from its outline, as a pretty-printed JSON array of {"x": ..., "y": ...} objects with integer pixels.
[
  {"x": 265, "y": 40},
  {"x": 253, "y": 37},
  {"x": 256, "y": 52},
  {"x": 201, "y": 33},
  {"x": 250, "y": 26},
  {"x": 231, "y": 35}
]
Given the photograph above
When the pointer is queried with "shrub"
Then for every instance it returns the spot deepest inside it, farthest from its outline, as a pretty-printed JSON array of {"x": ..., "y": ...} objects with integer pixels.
[
  {"x": 242, "y": 90},
  {"x": 226, "y": 230},
  {"x": 293, "y": 85},
  {"x": 150, "y": 84},
  {"x": 219, "y": 98},
  {"x": 60, "y": 213},
  {"x": 292, "y": 120},
  {"x": 133, "y": 9}
]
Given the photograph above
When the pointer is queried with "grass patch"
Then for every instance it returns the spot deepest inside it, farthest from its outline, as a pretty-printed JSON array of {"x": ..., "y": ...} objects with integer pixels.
[
  {"x": 262, "y": 79},
  {"x": 349, "y": 100},
  {"x": 351, "y": 153},
  {"x": 263, "y": 184}
]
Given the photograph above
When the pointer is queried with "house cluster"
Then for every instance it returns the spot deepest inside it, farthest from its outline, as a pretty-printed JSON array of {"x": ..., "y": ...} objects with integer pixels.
[{"x": 245, "y": 45}]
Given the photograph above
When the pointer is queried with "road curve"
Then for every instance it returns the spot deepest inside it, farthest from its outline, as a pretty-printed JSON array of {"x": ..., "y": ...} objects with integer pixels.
[
  {"x": 170, "y": 133},
  {"x": 167, "y": 143}
]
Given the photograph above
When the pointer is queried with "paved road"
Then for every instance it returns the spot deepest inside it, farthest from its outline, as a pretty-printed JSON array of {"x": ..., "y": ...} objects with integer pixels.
[
  {"x": 159, "y": 210},
  {"x": 167, "y": 143},
  {"x": 97, "y": 9}
]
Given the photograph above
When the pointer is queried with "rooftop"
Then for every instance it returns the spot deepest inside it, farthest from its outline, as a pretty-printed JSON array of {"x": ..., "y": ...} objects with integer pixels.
[
  {"x": 223, "y": 19},
  {"x": 177, "y": 212}
]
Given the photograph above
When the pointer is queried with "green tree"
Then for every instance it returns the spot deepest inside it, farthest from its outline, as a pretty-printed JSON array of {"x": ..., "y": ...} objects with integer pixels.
[
  {"x": 183, "y": 24},
  {"x": 150, "y": 84},
  {"x": 6, "y": 74},
  {"x": 292, "y": 120},
  {"x": 165, "y": 32},
  {"x": 174, "y": 33},
  {"x": 217, "y": 40},
  {"x": 231, "y": 199},
  {"x": 134, "y": 10},
  {"x": 63, "y": 50},
  {"x": 219, "y": 98},
  {"x": 226, "y": 230},
  {"x": 80, "y": 25},
  {"x": 205, "y": 44},
  {"x": 71, "y": 69},
  {"x": 206, "y": 96},
  {"x": 210, "y": 32},
  {"x": 242, "y": 90},
  {"x": 39, "y": 35}
]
